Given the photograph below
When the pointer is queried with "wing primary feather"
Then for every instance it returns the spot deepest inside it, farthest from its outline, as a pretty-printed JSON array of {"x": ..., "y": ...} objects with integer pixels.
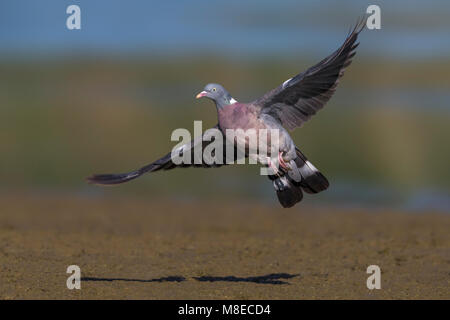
[
  {"x": 164, "y": 163},
  {"x": 300, "y": 97}
]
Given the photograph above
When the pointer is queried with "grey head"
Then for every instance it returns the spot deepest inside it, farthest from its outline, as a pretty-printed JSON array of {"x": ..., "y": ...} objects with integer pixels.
[{"x": 218, "y": 94}]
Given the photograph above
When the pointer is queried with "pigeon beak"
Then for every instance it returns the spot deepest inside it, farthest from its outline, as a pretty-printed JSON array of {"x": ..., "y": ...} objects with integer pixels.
[{"x": 201, "y": 94}]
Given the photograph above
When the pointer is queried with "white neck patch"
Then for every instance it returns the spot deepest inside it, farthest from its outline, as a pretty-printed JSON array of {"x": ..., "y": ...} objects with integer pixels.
[{"x": 232, "y": 100}]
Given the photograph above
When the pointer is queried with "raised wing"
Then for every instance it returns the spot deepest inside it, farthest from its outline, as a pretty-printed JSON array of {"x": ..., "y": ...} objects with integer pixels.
[
  {"x": 188, "y": 155},
  {"x": 299, "y": 98}
]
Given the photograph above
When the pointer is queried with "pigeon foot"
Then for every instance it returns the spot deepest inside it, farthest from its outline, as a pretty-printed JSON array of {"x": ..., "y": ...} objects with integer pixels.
[
  {"x": 282, "y": 163},
  {"x": 273, "y": 167}
]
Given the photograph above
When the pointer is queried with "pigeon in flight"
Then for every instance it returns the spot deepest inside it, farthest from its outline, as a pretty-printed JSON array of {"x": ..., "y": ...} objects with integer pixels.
[{"x": 284, "y": 108}]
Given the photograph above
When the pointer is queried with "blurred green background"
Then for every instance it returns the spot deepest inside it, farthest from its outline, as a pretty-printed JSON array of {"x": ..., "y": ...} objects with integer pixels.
[{"x": 106, "y": 98}]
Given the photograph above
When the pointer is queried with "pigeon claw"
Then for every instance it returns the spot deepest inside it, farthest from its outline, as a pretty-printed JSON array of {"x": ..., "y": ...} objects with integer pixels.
[
  {"x": 282, "y": 163},
  {"x": 273, "y": 167}
]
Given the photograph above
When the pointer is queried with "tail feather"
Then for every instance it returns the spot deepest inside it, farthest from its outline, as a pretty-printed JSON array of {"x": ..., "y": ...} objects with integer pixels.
[
  {"x": 312, "y": 180},
  {"x": 289, "y": 186},
  {"x": 287, "y": 193}
]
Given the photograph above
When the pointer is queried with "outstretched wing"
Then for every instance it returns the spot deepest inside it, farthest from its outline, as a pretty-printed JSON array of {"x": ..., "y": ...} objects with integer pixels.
[
  {"x": 297, "y": 99},
  {"x": 184, "y": 156}
]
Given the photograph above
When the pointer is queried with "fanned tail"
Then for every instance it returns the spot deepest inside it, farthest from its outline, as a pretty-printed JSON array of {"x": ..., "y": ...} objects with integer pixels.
[
  {"x": 312, "y": 180},
  {"x": 288, "y": 194},
  {"x": 306, "y": 178}
]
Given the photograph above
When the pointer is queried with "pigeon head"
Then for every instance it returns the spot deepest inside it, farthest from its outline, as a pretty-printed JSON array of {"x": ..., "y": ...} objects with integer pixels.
[{"x": 218, "y": 94}]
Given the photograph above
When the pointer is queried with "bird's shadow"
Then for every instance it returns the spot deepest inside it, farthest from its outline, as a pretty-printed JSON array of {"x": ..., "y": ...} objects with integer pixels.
[
  {"x": 273, "y": 278},
  {"x": 164, "y": 279}
]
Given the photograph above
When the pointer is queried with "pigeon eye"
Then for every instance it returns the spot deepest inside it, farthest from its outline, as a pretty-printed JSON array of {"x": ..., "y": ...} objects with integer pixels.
[{"x": 214, "y": 89}]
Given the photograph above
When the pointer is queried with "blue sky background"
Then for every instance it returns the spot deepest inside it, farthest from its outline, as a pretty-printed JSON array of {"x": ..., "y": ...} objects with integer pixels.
[{"x": 410, "y": 29}]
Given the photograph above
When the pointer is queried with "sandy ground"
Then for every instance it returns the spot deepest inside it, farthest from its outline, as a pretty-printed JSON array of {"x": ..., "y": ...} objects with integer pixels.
[{"x": 133, "y": 248}]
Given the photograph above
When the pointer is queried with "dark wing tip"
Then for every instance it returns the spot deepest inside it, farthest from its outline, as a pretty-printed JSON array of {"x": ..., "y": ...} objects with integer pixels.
[
  {"x": 111, "y": 179},
  {"x": 355, "y": 31},
  {"x": 348, "y": 48},
  {"x": 359, "y": 26}
]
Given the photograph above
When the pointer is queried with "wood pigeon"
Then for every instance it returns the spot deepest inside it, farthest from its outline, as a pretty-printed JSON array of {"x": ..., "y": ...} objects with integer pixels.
[{"x": 284, "y": 108}]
